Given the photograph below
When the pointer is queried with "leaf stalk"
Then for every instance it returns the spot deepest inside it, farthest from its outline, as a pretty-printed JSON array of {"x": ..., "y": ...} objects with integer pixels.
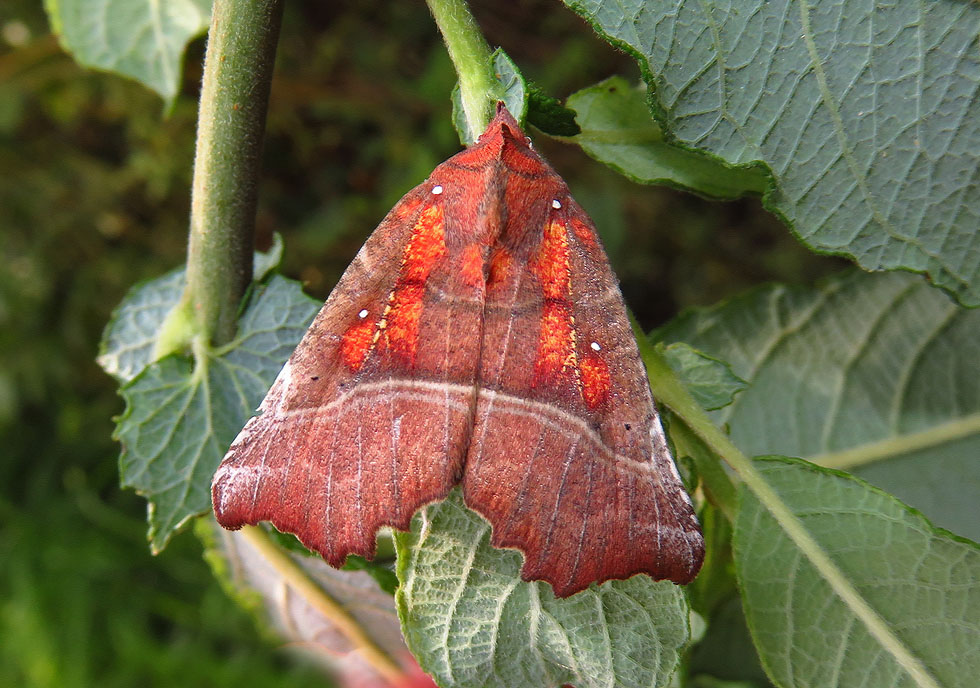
[{"x": 471, "y": 56}]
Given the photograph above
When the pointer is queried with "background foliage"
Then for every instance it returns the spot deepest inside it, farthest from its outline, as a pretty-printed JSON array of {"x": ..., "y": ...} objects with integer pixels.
[{"x": 95, "y": 199}]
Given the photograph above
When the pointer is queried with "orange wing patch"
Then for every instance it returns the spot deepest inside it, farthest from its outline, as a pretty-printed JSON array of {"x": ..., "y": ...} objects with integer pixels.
[
  {"x": 399, "y": 323},
  {"x": 556, "y": 359},
  {"x": 357, "y": 343},
  {"x": 556, "y": 344},
  {"x": 426, "y": 247},
  {"x": 401, "y": 326},
  {"x": 595, "y": 380},
  {"x": 551, "y": 265},
  {"x": 400, "y": 320},
  {"x": 472, "y": 266},
  {"x": 501, "y": 268}
]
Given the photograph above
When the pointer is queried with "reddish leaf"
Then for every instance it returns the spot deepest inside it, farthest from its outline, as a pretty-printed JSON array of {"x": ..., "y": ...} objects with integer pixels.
[
  {"x": 478, "y": 337},
  {"x": 413, "y": 677},
  {"x": 304, "y": 625}
]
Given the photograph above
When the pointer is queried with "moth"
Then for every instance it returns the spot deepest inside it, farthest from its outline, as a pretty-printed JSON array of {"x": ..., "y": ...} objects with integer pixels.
[{"x": 479, "y": 338}]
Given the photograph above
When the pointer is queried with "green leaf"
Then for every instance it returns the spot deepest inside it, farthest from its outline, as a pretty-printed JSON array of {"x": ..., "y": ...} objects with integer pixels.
[
  {"x": 140, "y": 39},
  {"x": 265, "y": 262},
  {"x": 703, "y": 681},
  {"x": 919, "y": 581},
  {"x": 131, "y": 335},
  {"x": 617, "y": 130},
  {"x": 515, "y": 95},
  {"x": 864, "y": 369},
  {"x": 471, "y": 621},
  {"x": 549, "y": 115},
  {"x": 726, "y": 652},
  {"x": 864, "y": 113},
  {"x": 383, "y": 574},
  {"x": 179, "y": 419},
  {"x": 710, "y": 381},
  {"x": 129, "y": 338}
]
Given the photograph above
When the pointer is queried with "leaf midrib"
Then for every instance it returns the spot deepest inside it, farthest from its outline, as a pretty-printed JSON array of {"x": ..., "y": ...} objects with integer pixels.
[
  {"x": 898, "y": 445},
  {"x": 834, "y": 576}
]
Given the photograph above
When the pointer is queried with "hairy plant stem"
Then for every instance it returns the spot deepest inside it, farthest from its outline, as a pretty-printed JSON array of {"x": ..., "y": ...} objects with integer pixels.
[
  {"x": 231, "y": 123},
  {"x": 670, "y": 391},
  {"x": 472, "y": 58},
  {"x": 294, "y": 576}
]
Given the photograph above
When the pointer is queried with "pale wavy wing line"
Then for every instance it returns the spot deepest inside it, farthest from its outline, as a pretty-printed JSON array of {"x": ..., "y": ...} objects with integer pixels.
[{"x": 427, "y": 391}]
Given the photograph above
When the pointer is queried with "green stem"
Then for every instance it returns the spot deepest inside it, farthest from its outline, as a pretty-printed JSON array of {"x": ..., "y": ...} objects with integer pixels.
[
  {"x": 718, "y": 487},
  {"x": 231, "y": 124},
  {"x": 478, "y": 89},
  {"x": 670, "y": 391}
]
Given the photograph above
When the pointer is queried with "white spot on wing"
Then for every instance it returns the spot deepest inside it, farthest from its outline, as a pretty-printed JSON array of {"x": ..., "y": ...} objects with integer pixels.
[
  {"x": 595, "y": 346},
  {"x": 556, "y": 204},
  {"x": 363, "y": 314},
  {"x": 437, "y": 189}
]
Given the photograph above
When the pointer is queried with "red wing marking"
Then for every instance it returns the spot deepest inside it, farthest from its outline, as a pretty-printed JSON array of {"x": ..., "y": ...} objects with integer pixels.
[
  {"x": 556, "y": 361},
  {"x": 501, "y": 268},
  {"x": 401, "y": 325},
  {"x": 426, "y": 246},
  {"x": 595, "y": 380},
  {"x": 357, "y": 343},
  {"x": 399, "y": 322},
  {"x": 472, "y": 266},
  {"x": 584, "y": 233},
  {"x": 407, "y": 208},
  {"x": 551, "y": 264},
  {"x": 556, "y": 345}
]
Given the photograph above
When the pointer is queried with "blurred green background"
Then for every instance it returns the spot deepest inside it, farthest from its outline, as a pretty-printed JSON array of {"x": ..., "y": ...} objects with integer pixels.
[{"x": 94, "y": 181}]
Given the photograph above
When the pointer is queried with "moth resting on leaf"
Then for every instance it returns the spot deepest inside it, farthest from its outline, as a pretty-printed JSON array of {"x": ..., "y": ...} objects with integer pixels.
[{"x": 479, "y": 338}]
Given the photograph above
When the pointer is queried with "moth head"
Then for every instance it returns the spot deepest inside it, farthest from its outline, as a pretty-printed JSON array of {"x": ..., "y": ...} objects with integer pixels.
[{"x": 505, "y": 124}]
